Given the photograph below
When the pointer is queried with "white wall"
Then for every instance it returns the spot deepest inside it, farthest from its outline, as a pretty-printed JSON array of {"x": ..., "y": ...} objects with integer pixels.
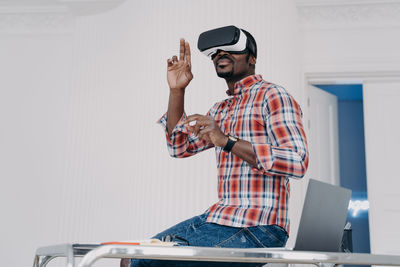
[
  {"x": 82, "y": 159},
  {"x": 358, "y": 42},
  {"x": 350, "y": 36},
  {"x": 381, "y": 126}
]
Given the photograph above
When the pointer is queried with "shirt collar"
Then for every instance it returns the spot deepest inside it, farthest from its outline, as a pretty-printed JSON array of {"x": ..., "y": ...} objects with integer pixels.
[{"x": 244, "y": 84}]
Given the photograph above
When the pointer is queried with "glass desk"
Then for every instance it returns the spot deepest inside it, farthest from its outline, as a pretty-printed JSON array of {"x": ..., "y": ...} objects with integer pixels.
[{"x": 91, "y": 253}]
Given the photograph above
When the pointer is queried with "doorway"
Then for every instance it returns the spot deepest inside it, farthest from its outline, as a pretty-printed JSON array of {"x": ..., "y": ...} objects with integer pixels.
[{"x": 352, "y": 166}]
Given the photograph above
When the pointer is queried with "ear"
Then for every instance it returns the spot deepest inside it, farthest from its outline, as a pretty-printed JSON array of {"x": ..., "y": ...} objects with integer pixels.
[{"x": 252, "y": 60}]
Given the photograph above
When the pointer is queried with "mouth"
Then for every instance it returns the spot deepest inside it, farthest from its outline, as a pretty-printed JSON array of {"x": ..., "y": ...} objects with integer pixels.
[{"x": 223, "y": 61}]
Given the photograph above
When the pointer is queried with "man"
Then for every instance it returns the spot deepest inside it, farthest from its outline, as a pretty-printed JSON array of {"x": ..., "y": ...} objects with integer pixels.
[{"x": 259, "y": 142}]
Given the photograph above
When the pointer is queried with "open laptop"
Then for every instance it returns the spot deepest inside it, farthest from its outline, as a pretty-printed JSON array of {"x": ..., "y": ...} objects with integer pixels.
[{"x": 323, "y": 218}]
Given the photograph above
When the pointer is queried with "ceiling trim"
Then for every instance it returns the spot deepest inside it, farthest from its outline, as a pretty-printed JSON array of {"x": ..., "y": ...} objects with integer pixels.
[
  {"x": 76, "y": 7},
  {"x": 300, "y": 3},
  {"x": 349, "y": 15}
]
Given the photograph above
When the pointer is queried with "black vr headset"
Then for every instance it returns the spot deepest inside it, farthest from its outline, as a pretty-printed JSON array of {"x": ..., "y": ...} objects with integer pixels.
[{"x": 230, "y": 39}]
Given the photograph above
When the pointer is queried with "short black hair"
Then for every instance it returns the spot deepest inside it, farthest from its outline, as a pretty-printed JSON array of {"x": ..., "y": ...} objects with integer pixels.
[{"x": 251, "y": 43}]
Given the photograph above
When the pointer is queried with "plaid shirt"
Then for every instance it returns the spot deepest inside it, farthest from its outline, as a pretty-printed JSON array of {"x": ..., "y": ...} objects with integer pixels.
[{"x": 265, "y": 115}]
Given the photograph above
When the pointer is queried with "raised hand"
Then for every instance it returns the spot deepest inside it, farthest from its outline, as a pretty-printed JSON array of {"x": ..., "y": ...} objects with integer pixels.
[{"x": 179, "y": 72}]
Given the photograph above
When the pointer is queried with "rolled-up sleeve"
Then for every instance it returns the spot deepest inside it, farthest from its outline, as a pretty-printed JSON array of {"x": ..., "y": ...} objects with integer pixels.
[
  {"x": 182, "y": 143},
  {"x": 286, "y": 154}
]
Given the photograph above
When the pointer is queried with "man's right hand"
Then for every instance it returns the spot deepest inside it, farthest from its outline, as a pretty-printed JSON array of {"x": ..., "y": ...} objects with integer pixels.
[{"x": 179, "y": 72}]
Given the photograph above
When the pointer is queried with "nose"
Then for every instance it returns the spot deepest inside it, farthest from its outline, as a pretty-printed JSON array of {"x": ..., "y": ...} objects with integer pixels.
[{"x": 219, "y": 53}]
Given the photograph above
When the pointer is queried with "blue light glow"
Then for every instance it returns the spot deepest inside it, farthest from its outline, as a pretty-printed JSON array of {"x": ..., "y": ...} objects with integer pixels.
[{"x": 357, "y": 206}]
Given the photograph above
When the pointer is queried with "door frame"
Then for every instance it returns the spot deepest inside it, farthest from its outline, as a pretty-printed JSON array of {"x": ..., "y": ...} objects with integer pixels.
[
  {"x": 310, "y": 78},
  {"x": 345, "y": 77},
  {"x": 349, "y": 77}
]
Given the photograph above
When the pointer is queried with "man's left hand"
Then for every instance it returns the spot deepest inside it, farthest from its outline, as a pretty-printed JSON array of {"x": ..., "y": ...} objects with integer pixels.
[{"x": 207, "y": 129}]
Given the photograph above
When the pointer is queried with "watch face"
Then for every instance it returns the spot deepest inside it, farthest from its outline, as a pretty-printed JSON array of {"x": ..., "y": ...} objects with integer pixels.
[{"x": 233, "y": 138}]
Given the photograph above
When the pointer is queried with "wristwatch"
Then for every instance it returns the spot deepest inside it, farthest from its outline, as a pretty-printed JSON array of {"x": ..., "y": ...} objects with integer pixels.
[{"x": 231, "y": 142}]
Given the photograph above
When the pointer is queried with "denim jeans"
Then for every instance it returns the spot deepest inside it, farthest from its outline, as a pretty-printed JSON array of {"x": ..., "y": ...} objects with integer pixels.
[{"x": 197, "y": 232}]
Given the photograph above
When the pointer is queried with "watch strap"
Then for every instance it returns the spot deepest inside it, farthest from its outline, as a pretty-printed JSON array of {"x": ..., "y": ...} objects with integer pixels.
[{"x": 229, "y": 145}]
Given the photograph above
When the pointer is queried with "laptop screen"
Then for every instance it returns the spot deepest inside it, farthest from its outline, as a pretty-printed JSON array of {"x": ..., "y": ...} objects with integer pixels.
[{"x": 323, "y": 217}]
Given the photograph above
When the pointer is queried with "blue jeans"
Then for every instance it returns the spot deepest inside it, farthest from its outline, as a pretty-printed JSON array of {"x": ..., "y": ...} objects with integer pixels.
[{"x": 197, "y": 232}]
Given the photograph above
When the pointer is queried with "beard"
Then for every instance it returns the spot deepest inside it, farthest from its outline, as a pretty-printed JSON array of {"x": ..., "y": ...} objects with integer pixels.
[{"x": 225, "y": 74}]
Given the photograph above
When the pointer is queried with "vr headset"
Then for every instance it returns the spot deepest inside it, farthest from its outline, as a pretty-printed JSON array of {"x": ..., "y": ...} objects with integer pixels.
[{"x": 230, "y": 39}]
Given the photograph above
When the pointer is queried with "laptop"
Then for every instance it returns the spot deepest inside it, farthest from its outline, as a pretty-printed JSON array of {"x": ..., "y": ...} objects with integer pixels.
[{"x": 323, "y": 218}]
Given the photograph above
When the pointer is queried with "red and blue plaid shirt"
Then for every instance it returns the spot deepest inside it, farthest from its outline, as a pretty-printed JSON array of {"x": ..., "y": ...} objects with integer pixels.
[{"x": 265, "y": 115}]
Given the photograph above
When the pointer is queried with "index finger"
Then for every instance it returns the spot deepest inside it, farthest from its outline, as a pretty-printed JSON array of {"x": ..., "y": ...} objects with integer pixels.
[
  {"x": 187, "y": 53},
  {"x": 182, "y": 49}
]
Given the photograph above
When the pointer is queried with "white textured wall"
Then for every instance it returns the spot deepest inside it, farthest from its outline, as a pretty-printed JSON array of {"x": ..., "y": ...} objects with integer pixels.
[
  {"x": 350, "y": 36},
  {"x": 348, "y": 41},
  {"x": 82, "y": 159}
]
